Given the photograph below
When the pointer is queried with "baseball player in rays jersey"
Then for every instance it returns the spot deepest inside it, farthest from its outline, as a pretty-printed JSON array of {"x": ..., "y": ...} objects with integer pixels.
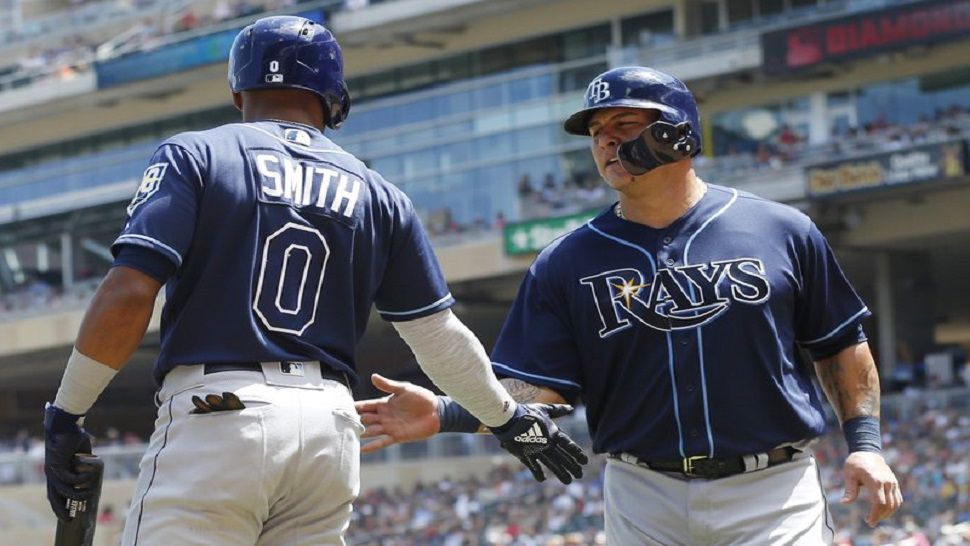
[
  {"x": 675, "y": 316},
  {"x": 273, "y": 244}
]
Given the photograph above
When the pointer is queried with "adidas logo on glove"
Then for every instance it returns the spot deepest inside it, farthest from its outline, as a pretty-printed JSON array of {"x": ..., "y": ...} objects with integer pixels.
[{"x": 532, "y": 436}]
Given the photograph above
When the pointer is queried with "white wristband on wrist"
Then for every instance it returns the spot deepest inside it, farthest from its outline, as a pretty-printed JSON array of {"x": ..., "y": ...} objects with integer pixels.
[{"x": 84, "y": 380}]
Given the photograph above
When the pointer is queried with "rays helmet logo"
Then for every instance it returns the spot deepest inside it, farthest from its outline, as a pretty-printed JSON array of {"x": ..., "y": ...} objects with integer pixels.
[
  {"x": 150, "y": 182},
  {"x": 598, "y": 91},
  {"x": 677, "y": 298}
]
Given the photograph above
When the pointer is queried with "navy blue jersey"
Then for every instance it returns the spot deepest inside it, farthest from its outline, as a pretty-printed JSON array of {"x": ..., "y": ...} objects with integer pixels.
[
  {"x": 281, "y": 243},
  {"x": 682, "y": 341}
]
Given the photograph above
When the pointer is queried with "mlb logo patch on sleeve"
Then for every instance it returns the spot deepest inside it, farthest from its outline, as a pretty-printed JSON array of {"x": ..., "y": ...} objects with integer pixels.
[{"x": 150, "y": 182}]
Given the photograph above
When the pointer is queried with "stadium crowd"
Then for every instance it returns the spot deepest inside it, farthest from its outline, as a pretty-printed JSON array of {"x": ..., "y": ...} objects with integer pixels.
[
  {"x": 150, "y": 23},
  {"x": 786, "y": 147},
  {"x": 926, "y": 445},
  {"x": 927, "y": 437}
]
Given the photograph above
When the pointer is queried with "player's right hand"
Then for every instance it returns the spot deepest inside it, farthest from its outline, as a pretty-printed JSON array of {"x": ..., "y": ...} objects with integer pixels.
[
  {"x": 408, "y": 414},
  {"x": 534, "y": 438},
  {"x": 63, "y": 439}
]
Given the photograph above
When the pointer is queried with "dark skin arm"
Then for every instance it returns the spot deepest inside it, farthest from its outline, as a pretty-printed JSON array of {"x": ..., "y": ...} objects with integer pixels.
[
  {"x": 851, "y": 383},
  {"x": 118, "y": 316}
]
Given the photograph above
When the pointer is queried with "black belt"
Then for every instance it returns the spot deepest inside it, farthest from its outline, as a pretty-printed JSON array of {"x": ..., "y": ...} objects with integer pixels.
[
  {"x": 326, "y": 372},
  {"x": 712, "y": 469}
]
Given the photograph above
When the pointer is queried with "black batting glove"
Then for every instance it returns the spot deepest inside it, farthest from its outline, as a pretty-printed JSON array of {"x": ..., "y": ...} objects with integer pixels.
[
  {"x": 63, "y": 439},
  {"x": 534, "y": 438}
]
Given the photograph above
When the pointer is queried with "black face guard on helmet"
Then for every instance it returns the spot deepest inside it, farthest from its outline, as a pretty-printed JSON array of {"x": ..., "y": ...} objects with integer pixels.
[{"x": 659, "y": 144}]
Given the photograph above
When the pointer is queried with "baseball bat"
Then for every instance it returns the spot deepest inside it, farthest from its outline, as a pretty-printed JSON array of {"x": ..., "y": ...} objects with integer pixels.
[{"x": 79, "y": 531}]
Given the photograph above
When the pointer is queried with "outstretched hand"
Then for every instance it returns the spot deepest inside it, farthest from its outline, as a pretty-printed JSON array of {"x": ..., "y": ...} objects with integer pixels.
[
  {"x": 870, "y": 471},
  {"x": 533, "y": 438},
  {"x": 408, "y": 414}
]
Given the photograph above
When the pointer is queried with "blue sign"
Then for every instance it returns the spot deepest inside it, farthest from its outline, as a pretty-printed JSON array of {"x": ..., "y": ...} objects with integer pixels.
[{"x": 180, "y": 56}]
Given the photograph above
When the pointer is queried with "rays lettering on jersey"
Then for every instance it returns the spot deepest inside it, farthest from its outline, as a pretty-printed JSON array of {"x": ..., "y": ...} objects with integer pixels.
[
  {"x": 303, "y": 184},
  {"x": 676, "y": 298}
]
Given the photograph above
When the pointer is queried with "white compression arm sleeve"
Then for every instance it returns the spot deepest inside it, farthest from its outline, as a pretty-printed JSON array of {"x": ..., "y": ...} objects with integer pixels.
[
  {"x": 84, "y": 380},
  {"x": 456, "y": 362}
]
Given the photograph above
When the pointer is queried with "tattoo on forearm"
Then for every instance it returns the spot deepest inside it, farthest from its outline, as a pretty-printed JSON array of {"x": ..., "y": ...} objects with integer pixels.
[
  {"x": 830, "y": 375},
  {"x": 520, "y": 390},
  {"x": 868, "y": 403},
  {"x": 851, "y": 394}
]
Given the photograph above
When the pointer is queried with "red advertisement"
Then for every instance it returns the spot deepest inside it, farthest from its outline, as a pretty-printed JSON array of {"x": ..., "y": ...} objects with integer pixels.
[{"x": 865, "y": 34}]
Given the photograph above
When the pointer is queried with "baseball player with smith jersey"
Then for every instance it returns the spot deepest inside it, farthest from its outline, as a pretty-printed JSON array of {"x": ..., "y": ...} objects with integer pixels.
[
  {"x": 675, "y": 316},
  {"x": 273, "y": 244}
]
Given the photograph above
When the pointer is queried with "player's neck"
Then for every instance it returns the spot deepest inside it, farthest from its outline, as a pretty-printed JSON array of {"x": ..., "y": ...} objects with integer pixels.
[
  {"x": 659, "y": 202},
  {"x": 281, "y": 113}
]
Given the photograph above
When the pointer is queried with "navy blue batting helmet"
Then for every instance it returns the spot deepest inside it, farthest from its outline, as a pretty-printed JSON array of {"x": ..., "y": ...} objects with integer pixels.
[
  {"x": 674, "y": 136},
  {"x": 291, "y": 52}
]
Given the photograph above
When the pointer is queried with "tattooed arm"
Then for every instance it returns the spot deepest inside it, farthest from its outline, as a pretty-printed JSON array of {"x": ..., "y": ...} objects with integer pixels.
[
  {"x": 529, "y": 393},
  {"x": 851, "y": 383}
]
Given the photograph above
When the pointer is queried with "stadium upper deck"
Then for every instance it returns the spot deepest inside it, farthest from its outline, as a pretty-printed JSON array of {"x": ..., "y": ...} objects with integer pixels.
[{"x": 460, "y": 103}]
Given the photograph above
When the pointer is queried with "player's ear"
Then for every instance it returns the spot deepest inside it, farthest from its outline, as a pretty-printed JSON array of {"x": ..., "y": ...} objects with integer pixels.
[{"x": 237, "y": 100}]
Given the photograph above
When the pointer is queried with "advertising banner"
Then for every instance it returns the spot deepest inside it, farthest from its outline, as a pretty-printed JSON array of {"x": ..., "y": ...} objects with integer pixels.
[
  {"x": 915, "y": 164},
  {"x": 869, "y": 33}
]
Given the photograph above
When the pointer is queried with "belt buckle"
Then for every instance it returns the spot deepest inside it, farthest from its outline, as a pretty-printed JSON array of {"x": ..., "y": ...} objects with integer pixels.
[{"x": 688, "y": 467}]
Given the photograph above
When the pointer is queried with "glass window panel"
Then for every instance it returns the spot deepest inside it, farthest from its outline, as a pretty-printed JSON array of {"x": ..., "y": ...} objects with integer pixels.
[
  {"x": 769, "y": 8},
  {"x": 456, "y": 154},
  {"x": 494, "y": 60},
  {"x": 490, "y": 96},
  {"x": 415, "y": 76},
  {"x": 648, "y": 29},
  {"x": 455, "y": 103},
  {"x": 710, "y": 18},
  {"x": 522, "y": 90},
  {"x": 533, "y": 113},
  {"x": 533, "y": 139},
  {"x": 544, "y": 85},
  {"x": 536, "y": 51},
  {"x": 739, "y": 11},
  {"x": 580, "y": 44},
  {"x": 576, "y": 79},
  {"x": 420, "y": 162},
  {"x": 539, "y": 169},
  {"x": 455, "y": 68},
  {"x": 417, "y": 111},
  {"x": 459, "y": 128},
  {"x": 502, "y": 178},
  {"x": 416, "y": 136},
  {"x": 379, "y": 84},
  {"x": 497, "y": 145},
  {"x": 490, "y": 122},
  {"x": 389, "y": 166},
  {"x": 838, "y": 98},
  {"x": 381, "y": 144}
]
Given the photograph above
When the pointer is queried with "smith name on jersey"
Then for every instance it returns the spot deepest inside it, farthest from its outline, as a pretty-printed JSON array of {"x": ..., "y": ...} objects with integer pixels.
[
  {"x": 280, "y": 243},
  {"x": 619, "y": 307}
]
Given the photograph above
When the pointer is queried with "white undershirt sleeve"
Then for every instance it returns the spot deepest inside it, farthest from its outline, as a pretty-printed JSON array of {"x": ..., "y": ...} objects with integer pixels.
[{"x": 457, "y": 363}]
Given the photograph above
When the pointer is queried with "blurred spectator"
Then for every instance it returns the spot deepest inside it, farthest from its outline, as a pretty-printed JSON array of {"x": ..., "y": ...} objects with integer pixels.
[{"x": 187, "y": 21}]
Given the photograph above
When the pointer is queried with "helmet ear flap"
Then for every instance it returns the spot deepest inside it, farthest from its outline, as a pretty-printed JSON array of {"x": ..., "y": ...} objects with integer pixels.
[{"x": 338, "y": 109}]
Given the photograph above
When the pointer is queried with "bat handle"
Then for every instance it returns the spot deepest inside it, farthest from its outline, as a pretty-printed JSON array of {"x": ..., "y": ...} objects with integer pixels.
[{"x": 79, "y": 530}]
